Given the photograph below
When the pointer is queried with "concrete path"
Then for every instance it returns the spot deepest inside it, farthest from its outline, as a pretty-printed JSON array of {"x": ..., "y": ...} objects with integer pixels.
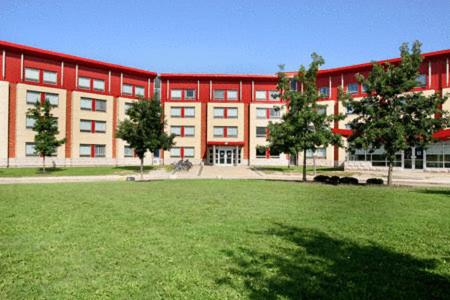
[{"x": 405, "y": 178}]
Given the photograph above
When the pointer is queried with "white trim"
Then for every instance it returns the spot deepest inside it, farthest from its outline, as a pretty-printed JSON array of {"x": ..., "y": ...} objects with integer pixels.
[
  {"x": 253, "y": 90},
  {"x": 301, "y": 87},
  {"x": 149, "y": 84},
  {"x": 240, "y": 90},
  {"x": 121, "y": 83},
  {"x": 4, "y": 64},
  {"x": 198, "y": 89},
  {"x": 76, "y": 75},
  {"x": 109, "y": 82},
  {"x": 446, "y": 75},
  {"x": 21, "y": 66},
  {"x": 429, "y": 74},
  {"x": 342, "y": 81},
  {"x": 329, "y": 87},
  {"x": 62, "y": 73}
]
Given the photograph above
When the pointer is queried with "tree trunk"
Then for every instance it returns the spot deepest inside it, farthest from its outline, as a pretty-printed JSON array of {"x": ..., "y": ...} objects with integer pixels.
[
  {"x": 43, "y": 164},
  {"x": 304, "y": 165},
  {"x": 389, "y": 180},
  {"x": 142, "y": 168}
]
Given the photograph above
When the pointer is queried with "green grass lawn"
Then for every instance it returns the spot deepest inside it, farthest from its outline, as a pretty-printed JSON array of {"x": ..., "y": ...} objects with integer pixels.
[
  {"x": 72, "y": 171},
  {"x": 299, "y": 170},
  {"x": 223, "y": 239}
]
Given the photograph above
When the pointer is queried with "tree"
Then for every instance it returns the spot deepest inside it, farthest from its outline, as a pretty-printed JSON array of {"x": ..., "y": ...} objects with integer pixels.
[
  {"x": 46, "y": 128},
  {"x": 392, "y": 117},
  {"x": 303, "y": 127},
  {"x": 144, "y": 129}
]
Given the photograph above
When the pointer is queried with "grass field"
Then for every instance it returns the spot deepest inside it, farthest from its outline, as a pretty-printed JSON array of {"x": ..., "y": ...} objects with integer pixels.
[
  {"x": 71, "y": 171},
  {"x": 223, "y": 239},
  {"x": 299, "y": 170}
]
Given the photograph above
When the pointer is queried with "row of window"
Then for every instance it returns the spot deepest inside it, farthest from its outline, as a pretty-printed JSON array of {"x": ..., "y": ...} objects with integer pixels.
[
  {"x": 183, "y": 131},
  {"x": 223, "y": 95},
  {"x": 184, "y": 152},
  {"x": 34, "y": 97},
  {"x": 225, "y": 112},
  {"x": 92, "y": 126},
  {"x": 41, "y": 76},
  {"x": 93, "y": 104},
  {"x": 225, "y": 131},
  {"x": 268, "y": 113}
]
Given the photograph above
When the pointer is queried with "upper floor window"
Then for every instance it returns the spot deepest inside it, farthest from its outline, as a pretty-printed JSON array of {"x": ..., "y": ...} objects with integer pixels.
[
  {"x": 49, "y": 77},
  {"x": 232, "y": 131},
  {"x": 232, "y": 95},
  {"x": 34, "y": 97},
  {"x": 275, "y": 113},
  {"x": 180, "y": 112},
  {"x": 352, "y": 88},
  {"x": 421, "y": 80},
  {"x": 99, "y": 85},
  {"x": 225, "y": 112},
  {"x": 324, "y": 92},
  {"x": 219, "y": 94},
  {"x": 261, "y": 95},
  {"x": 127, "y": 89},
  {"x": 52, "y": 98},
  {"x": 133, "y": 90},
  {"x": 261, "y": 113},
  {"x": 92, "y": 126},
  {"x": 175, "y": 130},
  {"x": 88, "y": 83},
  {"x": 293, "y": 84},
  {"x": 189, "y": 112},
  {"x": 32, "y": 74},
  {"x": 29, "y": 122},
  {"x": 274, "y": 95},
  {"x": 84, "y": 83},
  {"x": 219, "y": 131},
  {"x": 128, "y": 105},
  {"x": 232, "y": 112},
  {"x": 30, "y": 149},
  {"x": 261, "y": 132},
  {"x": 175, "y": 94},
  {"x": 189, "y": 131},
  {"x": 322, "y": 109},
  {"x": 175, "y": 111},
  {"x": 219, "y": 112},
  {"x": 189, "y": 94},
  {"x": 139, "y": 91},
  {"x": 92, "y": 104},
  {"x": 128, "y": 151},
  {"x": 349, "y": 109}
]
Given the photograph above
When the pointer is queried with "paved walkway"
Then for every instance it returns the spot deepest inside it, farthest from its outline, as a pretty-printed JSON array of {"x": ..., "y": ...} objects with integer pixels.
[{"x": 406, "y": 178}]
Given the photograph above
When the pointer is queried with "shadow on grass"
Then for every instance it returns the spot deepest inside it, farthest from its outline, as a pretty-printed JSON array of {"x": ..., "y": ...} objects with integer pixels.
[
  {"x": 296, "y": 169},
  {"x": 318, "y": 266},
  {"x": 443, "y": 192},
  {"x": 134, "y": 168}
]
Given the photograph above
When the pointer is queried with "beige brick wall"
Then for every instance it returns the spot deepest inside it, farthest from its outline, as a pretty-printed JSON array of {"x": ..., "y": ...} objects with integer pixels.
[
  {"x": 446, "y": 106},
  {"x": 23, "y": 134},
  {"x": 235, "y": 122},
  {"x": 87, "y": 137}
]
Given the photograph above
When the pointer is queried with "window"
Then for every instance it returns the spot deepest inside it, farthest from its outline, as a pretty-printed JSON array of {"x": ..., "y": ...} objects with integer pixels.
[
  {"x": 175, "y": 111},
  {"x": 349, "y": 109},
  {"x": 261, "y": 132},
  {"x": 274, "y": 153},
  {"x": 30, "y": 150},
  {"x": 100, "y": 150},
  {"x": 100, "y": 105},
  {"x": 85, "y": 150},
  {"x": 260, "y": 152},
  {"x": 322, "y": 109},
  {"x": 175, "y": 152},
  {"x": 127, "y": 151},
  {"x": 84, "y": 83},
  {"x": 127, "y": 89},
  {"x": 274, "y": 95},
  {"x": 33, "y": 97},
  {"x": 29, "y": 122},
  {"x": 188, "y": 152},
  {"x": 139, "y": 91},
  {"x": 99, "y": 85},
  {"x": 232, "y": 112},
  {"x": 324, "y": 92},
  {"x": 319, "y": 153},
  {"x": 32, "y": 74},
  {"x": 175, "y": 94},
  {"x": 219, "y": 94},
  {"x": 352, "y": 88},
  {"x": 52, "y": 98},
  {"x": 293, "y": 84},
  {"x": 421, "y": 80},
  {"x": 261, "y": 113},
  {"x": 100, "y": 126},
  {"x": 219, "y": 112},
  {"x": 261, "y": 95},
  {"x": 86, "y": 104},
  {"x": 50, "y": 77},
  {"x": 232, "y": 131},
  {"x": 232, "y": 95},
  {"x": 189, "y": 94},
  {"x": 85, "y": 125},
  {"x": 189, "y": 130},
  {"x": 364, "y": 88},
  {"x": 275, "y": 113},
  {"x": 189, "y": 112},
  {"x": 175, "y": 130},
  {"x": 128, "y": 106},
  {"x": 219, "y": 131}
]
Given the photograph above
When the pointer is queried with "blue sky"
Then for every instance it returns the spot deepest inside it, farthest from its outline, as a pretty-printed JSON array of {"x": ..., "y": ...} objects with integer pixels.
[{"x": 226, "y": 36}]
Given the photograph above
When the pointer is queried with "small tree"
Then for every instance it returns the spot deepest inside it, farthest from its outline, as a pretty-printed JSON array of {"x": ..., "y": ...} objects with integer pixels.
[
  {"x": 303, "y": 127},
  {"x": 144, "y": 129},
  {"x": 46, "y": 128},
  {"x": 392, "y": 116}
]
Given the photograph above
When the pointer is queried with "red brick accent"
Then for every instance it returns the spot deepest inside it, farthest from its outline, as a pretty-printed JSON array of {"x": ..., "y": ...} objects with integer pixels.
[
  {"x": 246, "y": 131},
  {"x": 12, "y": 120},
  {"x": 114, "y": 150},
  {"x": 68, "y": 145}
]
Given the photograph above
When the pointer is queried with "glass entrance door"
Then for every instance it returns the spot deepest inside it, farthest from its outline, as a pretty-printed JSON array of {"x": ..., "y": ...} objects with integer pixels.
[{"x": 413, "y": 158}]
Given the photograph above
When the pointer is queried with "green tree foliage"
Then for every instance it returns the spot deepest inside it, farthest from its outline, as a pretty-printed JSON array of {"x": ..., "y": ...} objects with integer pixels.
[
  {"x": 392, "y": 116},
  {"x": 143, "y": 130},
  {"x": 303, "y": 127},
  {"x": 46, "y": 128}
]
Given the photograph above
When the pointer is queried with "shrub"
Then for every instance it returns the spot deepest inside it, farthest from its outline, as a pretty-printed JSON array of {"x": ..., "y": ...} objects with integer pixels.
[
  {"x": 322, "y": 178},
  {"x": 375, "y": 181},
  {"x": 334, "y": 180},
  {"x": 349, "y": 180}
]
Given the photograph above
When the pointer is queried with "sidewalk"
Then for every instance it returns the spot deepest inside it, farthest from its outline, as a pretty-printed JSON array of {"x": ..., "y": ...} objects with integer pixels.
[{"x": 410, "y": 178}]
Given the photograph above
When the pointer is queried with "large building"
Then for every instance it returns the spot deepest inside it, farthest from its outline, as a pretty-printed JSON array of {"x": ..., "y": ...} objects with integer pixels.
[{"x": 218, "y": 119}]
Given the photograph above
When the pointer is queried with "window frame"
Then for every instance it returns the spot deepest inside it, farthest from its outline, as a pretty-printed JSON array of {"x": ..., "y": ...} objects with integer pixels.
[{"x": 353, "y": 84}]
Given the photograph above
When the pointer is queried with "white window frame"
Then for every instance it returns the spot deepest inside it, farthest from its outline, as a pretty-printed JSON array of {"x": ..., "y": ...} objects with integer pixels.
[
  {"x": 216, "y": 113},
  {"x": 85, "y": 147},
  {"x": 219, "y": 131},
  {"x": 186, "y": 97},
  {"x": 30, "y": 74},
  {"x": 353, "y": 84},
  {"x": 187, "y": 129},
  {"x": 174, "y": 94},
  {"x": 50, "y": 77},
  {"x": 82, "y": 80},
  {"x": 175, "y": 130},
  {"x": 29, "y": 146},
  {"x": 261, "y": 109},
  {"x": 175, "y": 152},
  {"x": 100, "y": 123},
  {"x": 97, "y": 147},
  {"x": 260, "y": 134},
  {"x": 96, "y": 86},
  {"x": 35, "y": 93},
  {"x": 261, "y": 95},
  {"x": 235, "y": 116},
  {"x": 29, "y": 122},
  {"x": 86, "y": 100},
  {"x": 232, "y": 128},
  {"x": 186, "y": 151},
  {"x": 189, "y": 108},
  {"x": 139, "y": 91},
  {"x": 84, "y": 128},
  {"x": 234, "y": 93},
  {"x": 51, "y": 98},
  {"x": 215, "y": 94},
  {"x": 127, "y": 89}
]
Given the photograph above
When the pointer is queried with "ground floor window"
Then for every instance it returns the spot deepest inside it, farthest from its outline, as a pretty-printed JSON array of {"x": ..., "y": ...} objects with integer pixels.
[
  {"x": 319, "y": 153},
  {"x": 438, "y": 155},
  {"x": 128, "y": 151}
]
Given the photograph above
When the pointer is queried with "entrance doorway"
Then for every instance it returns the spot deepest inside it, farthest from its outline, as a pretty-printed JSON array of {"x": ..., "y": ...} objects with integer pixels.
[
  {"x": 413, "y": 158},
  {"x": 224, "y": 156}
]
